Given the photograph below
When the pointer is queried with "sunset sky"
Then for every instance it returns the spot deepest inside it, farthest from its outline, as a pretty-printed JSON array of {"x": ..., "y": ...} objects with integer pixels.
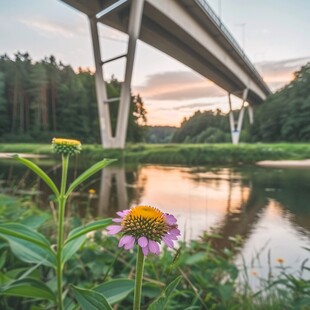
[{"x": 276, "y": 39}]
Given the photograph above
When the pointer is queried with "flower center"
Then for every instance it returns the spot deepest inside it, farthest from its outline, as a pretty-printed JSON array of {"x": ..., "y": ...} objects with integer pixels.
[
  {"x": 145, "y": 221},
  {"x": 66, "y": 141},
  {"x": 66, "y": 146}
]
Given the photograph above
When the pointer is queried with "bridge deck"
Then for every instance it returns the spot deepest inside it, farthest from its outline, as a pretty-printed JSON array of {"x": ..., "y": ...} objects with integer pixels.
[{"x": 189, "y": 31}]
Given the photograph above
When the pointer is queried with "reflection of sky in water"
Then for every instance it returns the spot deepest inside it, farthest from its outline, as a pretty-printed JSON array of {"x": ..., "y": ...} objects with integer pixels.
[
  {"x": 196, "y": 205},
  {"x": 272, "y": 238},
  {"x": 201, "y": 200}
]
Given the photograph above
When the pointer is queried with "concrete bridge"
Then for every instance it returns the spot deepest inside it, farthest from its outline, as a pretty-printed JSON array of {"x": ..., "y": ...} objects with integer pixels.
[{"x": 187, "y": 30}]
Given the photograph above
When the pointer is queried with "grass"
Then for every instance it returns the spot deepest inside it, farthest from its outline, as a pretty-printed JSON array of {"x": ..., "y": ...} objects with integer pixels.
[{"x": 182, "y": 154}]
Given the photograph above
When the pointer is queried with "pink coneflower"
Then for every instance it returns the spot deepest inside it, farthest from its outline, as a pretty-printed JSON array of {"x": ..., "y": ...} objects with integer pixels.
[{"x": 146, "y": 226}]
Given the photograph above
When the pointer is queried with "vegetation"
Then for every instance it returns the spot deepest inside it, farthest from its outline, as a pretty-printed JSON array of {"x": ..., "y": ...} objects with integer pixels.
[
  {"x": 86, "y": 268},
  {"x": 159, "y": 134},
  {"x": 204, "y": 127},
  {"x": 182, "y": 154},
  {"x": 40, "y": 100},
  {"x": 45, "y": 99},
  {"x": 285, "y": 116},
  {"x": 209, "y": 278}
]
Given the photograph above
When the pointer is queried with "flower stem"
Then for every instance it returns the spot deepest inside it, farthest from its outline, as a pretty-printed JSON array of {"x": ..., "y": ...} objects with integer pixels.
[
  {"x": 138, "y": 281},
  {"x": 61, "y": 216}
]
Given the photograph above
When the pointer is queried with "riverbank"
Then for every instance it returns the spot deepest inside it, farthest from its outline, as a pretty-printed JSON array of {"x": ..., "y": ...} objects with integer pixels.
[
  {"x": 181, "y": 154},
  {"x": 24, "y": 155},
  {"x": 285, "y": 163}
]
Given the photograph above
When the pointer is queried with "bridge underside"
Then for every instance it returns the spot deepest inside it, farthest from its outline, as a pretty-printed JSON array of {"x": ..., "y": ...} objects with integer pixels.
[{"x": 184, "y": 30}]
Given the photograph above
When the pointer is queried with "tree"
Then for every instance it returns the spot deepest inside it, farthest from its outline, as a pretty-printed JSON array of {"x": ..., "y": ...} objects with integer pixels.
[
  {"x": 38, "y": 79},
  {"x": 3, "y": 107},
  {"x": 203, "y": 127},
  {"x": 39, "y": 100},
  {"x": 285, "y": 115}
]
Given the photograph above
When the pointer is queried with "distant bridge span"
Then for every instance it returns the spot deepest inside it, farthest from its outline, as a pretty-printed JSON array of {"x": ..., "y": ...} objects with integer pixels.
[{"x": 187, "y": 30}]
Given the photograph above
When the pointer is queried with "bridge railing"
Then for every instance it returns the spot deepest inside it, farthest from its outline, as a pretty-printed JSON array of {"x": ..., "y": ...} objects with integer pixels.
[{"x": 213, "y": 16}]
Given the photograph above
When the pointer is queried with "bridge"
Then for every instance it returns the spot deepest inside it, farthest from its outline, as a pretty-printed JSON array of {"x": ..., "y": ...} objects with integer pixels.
[{"x": 187, "y": 30}]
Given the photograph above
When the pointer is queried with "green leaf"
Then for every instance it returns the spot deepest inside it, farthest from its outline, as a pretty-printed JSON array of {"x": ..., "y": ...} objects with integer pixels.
[
  {"x": 27, "y": 244},
  {"x": 88, "y": 173},
  {"x": 150, "y": 290},
  {"x": 37, "y": 170},
  {"x": 80, "y": 231},
  {"x": 2, "y": 258},
  {"x": 196, "y": 258},
  {"x": 161, "y": 302},
  {"x": 21, "y": 231},
  {"x": 115, "y": 290},
  {"x": 77, "y": 237},
  {"x": 34, "y": 221},
  {"x": 28, "y": 288},
  {"x": 4, "y": 279},
  {"x": 226, "y": 291},
  {"x": 72, "y": 247},
  {"x": 90, "y": 300}
]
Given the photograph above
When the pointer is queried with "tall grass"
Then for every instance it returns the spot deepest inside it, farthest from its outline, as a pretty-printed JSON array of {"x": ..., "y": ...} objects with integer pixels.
[{"x": 182, "y": 154}]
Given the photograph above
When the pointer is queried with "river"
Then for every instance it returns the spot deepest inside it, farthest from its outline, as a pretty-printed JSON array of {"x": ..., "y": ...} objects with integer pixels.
[{"x": 268, "y": 208}]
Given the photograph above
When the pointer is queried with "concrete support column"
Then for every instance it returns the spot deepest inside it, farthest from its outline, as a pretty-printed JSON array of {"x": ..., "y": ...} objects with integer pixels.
[
  {"x": 134, "y": 26},
  {"x": 236, "y": 126},
  {"x": 135, "y": 18},
  {"x": 103, "y": 108}
]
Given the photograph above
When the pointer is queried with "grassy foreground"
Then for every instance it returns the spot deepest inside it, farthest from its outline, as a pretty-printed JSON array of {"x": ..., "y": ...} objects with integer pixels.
[{"x": 183, "y": 154}]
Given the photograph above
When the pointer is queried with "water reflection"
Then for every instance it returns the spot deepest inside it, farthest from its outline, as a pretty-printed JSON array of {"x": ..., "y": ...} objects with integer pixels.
[
  {"x": 109, "y": 177},
  {"x": 268, "y": 208}
]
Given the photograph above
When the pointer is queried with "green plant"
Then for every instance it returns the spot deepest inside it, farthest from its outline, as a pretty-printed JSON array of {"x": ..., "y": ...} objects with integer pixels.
[{"x": 32, "y": 247}]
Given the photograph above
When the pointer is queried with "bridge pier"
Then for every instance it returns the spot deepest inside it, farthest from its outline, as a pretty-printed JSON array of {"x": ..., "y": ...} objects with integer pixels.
[
  {"x": 134, "y": 25},
  {"x": 236, "y": 125},
  {"x": 188, "y": 31}
]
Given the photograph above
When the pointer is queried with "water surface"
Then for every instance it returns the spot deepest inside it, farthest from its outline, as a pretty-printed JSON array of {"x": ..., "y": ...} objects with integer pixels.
[{"x": 269, "y": 208}]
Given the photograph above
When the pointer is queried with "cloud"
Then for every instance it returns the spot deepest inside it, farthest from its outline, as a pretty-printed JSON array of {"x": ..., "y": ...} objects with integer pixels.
[
  {"x": 112, "y": 34},
  {"x": 279, "y": 73},
  {"x": 54, "y": 28},
  {"x": 178, "y": 85},
  {"x": 187, "y": 85},
  {"x": 195, "y": 105}
]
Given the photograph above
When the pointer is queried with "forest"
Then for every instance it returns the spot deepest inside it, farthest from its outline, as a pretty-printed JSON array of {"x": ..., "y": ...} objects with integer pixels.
[
  {"x": 283, "y": 117},
  {"x": 40, "y": 100}
]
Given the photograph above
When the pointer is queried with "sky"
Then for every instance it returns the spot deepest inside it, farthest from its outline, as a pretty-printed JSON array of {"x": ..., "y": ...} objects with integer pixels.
[{"x": 273, "y": 33}]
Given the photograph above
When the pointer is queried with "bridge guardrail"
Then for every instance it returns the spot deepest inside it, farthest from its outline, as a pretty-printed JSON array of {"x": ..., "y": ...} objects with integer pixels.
[{"x": 213, "y": 16}]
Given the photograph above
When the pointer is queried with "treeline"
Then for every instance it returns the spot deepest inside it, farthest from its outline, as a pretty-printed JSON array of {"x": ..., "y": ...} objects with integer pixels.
[
  {"x": 283, "y": 117},
  {"x": 159, "y": 134},
  {"x": 40, "y": 100},
  {"x": 203, "y": 127}
]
